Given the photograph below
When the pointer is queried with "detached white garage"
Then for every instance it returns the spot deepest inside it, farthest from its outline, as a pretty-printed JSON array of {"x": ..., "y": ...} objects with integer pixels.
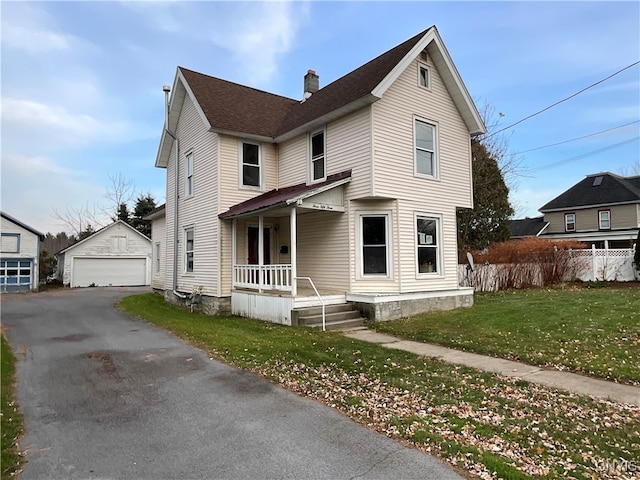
[{"x": 117, "y": 255}]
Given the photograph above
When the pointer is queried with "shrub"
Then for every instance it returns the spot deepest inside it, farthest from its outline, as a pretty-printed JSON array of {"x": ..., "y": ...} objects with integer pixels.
[{"x": 530, "y": 262}]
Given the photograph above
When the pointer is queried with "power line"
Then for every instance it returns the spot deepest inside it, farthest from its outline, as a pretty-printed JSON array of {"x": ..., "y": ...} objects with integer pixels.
[
  {"x": 584, "y": 155},
  {"x": 563, "y": 100},
  {"x": 575, "y": 139}
]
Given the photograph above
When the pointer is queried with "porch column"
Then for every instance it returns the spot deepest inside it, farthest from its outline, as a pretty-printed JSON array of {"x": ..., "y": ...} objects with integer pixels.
[
  {"x": 294, "y": 253},
  {"x": 260, "y": 250},
  {"x": 234, "y": 228}
]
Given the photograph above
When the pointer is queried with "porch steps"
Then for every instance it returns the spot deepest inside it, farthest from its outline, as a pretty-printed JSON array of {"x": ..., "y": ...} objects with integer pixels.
[{"x": 337, "y": 317}]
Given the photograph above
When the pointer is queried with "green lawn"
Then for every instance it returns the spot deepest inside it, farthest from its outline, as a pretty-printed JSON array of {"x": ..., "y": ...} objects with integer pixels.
[
  {"x": 11, "y": 417},
  {"x": 585, "y": 330},
  {"x": 479, "y": 422}
]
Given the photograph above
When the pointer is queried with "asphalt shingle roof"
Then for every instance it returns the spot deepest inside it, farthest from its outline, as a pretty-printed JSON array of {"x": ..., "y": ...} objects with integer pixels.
[
  {"x": 526, "y": 227},
  {"x": 612, "y": 189},
  {"x": 238, "y": 108}
]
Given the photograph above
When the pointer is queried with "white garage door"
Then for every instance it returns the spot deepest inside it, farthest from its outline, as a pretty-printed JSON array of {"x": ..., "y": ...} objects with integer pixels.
[{"x": 104, "y": 272}]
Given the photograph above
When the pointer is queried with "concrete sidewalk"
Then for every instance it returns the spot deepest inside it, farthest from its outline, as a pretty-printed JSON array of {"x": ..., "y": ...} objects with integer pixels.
[{"x": 553, "y": 378}]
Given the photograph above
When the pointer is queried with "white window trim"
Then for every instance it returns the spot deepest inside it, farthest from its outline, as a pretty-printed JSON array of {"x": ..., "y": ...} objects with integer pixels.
[
  {"x": 7, "y": 236},
  {"x": 600, "y": 212},
  {"x": 185, "y": 251},
  {"x": 241, "y": 185},
  {"x": 188, "y": 176},
  {"x": 566, "y": 229},
  {"x": 439, "y": 246},
  {"x": 436, "y": 149},
  {"x": 360, "y": 275},
  {"x": 158, "y": 256},
  {"x": 310, "y": 164},
  {"x": 422, "y": 65},
  {"x": 266, "y": 226}
]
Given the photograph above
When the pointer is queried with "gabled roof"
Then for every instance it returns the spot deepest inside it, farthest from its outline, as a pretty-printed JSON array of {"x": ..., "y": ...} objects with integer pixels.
[
  {"x": 156, "y": 213},
  {"x": 598, "y": 189},
  {"x": 285, "y": 196},
  {"x": 527, "y": 227},
  {"x": 23, "y": 225},
  {"x": 103, "y": 229},
  {"x": 228, "y": 107}
]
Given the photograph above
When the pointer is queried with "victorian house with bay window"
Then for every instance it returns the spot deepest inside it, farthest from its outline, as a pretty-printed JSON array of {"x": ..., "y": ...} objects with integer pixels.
[{"x": 347, "y": 196}]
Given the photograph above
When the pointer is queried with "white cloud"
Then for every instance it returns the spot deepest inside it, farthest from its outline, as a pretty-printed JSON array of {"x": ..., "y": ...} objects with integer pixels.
[{"x": 29, "y": 29}]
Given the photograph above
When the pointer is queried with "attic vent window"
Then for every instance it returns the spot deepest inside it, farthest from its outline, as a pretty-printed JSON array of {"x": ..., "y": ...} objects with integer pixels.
[
  {"x": 597, "y": 181},
  {"x": 424, "y": 76},
  {"x": 423, "y": 55}
]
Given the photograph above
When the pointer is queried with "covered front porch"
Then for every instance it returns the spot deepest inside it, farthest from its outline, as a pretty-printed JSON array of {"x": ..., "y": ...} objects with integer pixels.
[{"x": 279, "y": 257}]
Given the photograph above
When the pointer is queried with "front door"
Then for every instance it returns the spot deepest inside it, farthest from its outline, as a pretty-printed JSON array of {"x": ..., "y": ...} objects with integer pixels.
[{"x": 252, "y": 245}]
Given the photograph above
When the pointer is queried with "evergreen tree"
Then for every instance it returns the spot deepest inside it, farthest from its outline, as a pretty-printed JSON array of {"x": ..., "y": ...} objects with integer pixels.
[
  {"x": 87, "y": 232},
  {"x": 123, "y": 214},
  {"x": 145, "y": 204},
  {"x": 488, "y": 221},
  {"x": 636, "y": 255}
]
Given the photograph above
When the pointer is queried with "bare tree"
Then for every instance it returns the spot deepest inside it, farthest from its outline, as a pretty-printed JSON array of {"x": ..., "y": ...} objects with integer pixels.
[
  {"x": 120, "y": 192},
  {"x": 630, "y": 170},
  {"x": 76, "y": 220}
]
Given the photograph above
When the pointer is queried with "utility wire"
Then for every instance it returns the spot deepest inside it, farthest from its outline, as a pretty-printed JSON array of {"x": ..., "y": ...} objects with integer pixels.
[
  {"x": 575, "y": 139},
  {"x": 563, "y": 100},
  {"x": 584, "y": 155}
]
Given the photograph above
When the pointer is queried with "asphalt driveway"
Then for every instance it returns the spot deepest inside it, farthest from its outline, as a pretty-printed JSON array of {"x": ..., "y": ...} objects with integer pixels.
[{"x": 108, "y": 396}]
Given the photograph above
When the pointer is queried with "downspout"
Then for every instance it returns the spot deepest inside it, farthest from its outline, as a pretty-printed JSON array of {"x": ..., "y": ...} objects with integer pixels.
[{"x": 166, "y": 89}]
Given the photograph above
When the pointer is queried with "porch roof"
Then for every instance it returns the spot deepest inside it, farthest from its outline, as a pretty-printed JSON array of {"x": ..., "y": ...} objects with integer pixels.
[{"x": 283, "y": 197}]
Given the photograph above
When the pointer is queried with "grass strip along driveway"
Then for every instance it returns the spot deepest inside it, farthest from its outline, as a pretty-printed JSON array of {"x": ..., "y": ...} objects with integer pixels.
[
  {"x": 488, "y": 426},
  {"x": 11, "y": 423},
  {"x": 584, "y": 330}
]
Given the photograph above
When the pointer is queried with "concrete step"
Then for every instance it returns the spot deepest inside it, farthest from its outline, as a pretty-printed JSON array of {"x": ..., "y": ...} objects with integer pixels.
[{"x": 336, "y": 316}]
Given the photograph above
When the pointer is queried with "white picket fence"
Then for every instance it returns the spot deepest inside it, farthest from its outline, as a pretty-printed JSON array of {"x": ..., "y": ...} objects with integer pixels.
[{"x": 587, "y": 265}]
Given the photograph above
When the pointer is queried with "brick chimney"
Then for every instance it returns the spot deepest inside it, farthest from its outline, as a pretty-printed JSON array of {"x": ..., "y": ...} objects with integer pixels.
[{"x": 311, "y": 83}]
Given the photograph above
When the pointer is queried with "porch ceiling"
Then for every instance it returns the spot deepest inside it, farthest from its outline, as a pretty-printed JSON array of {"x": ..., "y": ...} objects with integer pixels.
[{"x": 277, "y": 202}]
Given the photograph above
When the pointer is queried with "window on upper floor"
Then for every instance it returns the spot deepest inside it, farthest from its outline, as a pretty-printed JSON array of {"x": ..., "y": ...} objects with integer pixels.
[
  {"x": 188, "y": 177},
  {"x": 189, "y": 244},
  {"x": 10, "y": 243},
  {"x": 424, "y": 76},
  {"x": 251, "y": 165},
  {"x": 426, "y": 155},
  {"x": 428, "y": 245},
  {"x": 569, "y": 222},
  {"x": 375, "y": 245},
  {"x": 317, "y": 167},
  {"x": 604, "y": 219}
]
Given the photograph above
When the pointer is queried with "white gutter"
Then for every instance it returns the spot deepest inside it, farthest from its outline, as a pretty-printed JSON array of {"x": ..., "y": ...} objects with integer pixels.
[{"x": 166, "y": 90}]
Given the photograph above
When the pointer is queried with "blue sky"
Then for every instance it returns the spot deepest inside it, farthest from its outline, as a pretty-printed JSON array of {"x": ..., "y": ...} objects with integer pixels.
[{"x": 82, "y": 82}]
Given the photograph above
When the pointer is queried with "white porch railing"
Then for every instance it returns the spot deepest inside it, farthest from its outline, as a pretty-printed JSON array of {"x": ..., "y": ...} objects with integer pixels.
[{"x": 265, "y": 277}]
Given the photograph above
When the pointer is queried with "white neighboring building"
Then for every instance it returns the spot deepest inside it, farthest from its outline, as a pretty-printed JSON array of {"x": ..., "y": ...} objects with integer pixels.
[
  {"x": 116, "y": 255},
  {"x": 19, "y": 255}
]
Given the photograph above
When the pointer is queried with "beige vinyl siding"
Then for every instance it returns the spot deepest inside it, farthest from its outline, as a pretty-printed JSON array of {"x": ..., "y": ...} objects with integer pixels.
[
  {"x": 371, "y": 284},
  {"x": 393, "y": 143},
  {"x": 322, "y": 253},
  {"x": 587, "y": 219},
  {"x": 230, "y": 190},
  {"x": 198, "y": 210},
  {"x": 294, "y": 155},
  {"x": 349, "y": 147},
  {"x": 410, "y": 281},
  {"x": 159, "y": 236}
]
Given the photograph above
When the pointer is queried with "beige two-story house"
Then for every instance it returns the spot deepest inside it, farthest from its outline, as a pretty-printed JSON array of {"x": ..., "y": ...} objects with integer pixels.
[
  {"x": 347, "y": 195},
  {"x": 602, "y": 210}
]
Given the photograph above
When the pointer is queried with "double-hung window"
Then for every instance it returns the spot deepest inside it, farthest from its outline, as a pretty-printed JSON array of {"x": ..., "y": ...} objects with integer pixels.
[
  {"x": 157, "y": 259},
  {"x": 428, "y": 245},
  {"x": 188, "y": 249},
  {"x": 426, "y": 157},
  {"x": 10, "y": 243},
  {"x": 251, "y": 174},
  {"x": 604, "y": 219},
  {"x": 318, "y": 167},
  {"x": 375, "y": 244},
  {"x": 188, "y": 178},
  {"x": 569, "y": 222}
]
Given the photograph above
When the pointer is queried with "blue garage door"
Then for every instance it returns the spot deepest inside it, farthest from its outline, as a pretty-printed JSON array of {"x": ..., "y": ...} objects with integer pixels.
[{"x": 15, "y": 275}]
